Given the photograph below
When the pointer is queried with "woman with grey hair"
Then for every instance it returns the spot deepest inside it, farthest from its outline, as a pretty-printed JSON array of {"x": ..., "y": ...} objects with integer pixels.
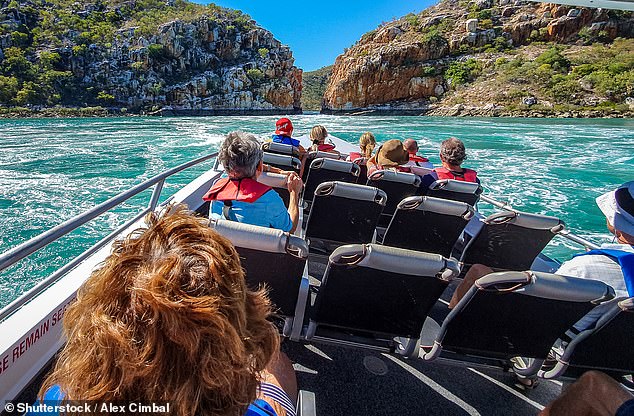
[{"x": 240, "y": 197}]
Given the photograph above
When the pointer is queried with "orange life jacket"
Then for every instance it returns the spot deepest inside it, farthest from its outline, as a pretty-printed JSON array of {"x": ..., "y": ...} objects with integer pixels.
[
  {"x": 244, "y": 190},
  {"x": 467, "y": 175}
]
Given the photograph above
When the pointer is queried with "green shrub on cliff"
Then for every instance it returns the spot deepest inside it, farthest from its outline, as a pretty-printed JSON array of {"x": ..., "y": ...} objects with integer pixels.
[
  {"x": 461, "y": 72},
  {"x": 255, "y": 75}
]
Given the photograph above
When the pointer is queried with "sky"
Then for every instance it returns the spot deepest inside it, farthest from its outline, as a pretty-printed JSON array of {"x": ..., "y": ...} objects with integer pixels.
[{"x": 317, "y": 32}]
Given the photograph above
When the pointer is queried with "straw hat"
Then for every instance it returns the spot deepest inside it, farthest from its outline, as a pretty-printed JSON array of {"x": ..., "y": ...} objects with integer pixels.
[{"x": 392, "y": 154}]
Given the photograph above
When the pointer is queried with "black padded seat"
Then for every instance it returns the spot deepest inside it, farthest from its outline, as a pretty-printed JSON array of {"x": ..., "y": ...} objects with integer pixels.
[
  {"x": 276, "y": 181},
  {"x": 273, "y": 258},
  {"x": 377, "y": 292},
  {"x": 315, "y": 154},
  {"x": 516, "y": 314},
  {"x": 344, "y": 213},
  {"x": 510, "y": 240},
  {"x": 607, "y": 346},
  {"x": 428, "y": 224},
  {"x": 323, "y": 170},
  {"x": 281, "y": 149},
  {"x": 468, "y": 192},
  {"x": 284, "y": 162},
  {"x": 397, "y": 186}
]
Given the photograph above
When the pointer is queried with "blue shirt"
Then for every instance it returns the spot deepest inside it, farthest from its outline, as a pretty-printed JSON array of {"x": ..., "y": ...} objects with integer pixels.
[
  {"x": 278, "y": 138},
  {"x": 267, "y": 211},
  {"x": 258, "y": 408}
]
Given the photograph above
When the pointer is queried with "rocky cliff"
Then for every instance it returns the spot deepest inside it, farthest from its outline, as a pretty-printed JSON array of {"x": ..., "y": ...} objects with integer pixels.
[
  {"x": 142, "y": 55},
  {"x": 489, "y": 57}
]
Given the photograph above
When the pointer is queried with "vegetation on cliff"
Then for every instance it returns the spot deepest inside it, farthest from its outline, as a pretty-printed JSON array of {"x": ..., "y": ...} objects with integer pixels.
[
  {"x": 140, "y": 54},
  {"x": 313, "y": 86},
  {"x": 491, "y": 57}
]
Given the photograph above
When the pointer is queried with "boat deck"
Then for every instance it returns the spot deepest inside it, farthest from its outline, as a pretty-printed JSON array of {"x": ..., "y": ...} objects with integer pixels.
[{"x": 358, "y": 382}]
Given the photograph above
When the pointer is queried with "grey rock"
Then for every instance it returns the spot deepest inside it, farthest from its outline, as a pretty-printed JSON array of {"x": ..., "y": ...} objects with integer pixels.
[{"x": 529, "y": 100}]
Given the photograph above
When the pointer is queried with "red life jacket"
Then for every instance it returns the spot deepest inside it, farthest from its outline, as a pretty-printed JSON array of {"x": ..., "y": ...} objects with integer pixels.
[
  {"x": 325, "y": 147},
  {"x": 467, "y": 175},
  {"x": 244, "y": 190},
  {"x": 413, "y": 157}
]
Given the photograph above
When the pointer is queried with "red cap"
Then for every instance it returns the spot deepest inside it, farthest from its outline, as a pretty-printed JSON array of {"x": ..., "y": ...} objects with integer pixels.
[{"x": 284, "y": 126}]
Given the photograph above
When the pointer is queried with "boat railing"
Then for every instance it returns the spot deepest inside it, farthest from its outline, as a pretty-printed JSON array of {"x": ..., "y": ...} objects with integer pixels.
[
  {"x": 14, "y": 255},
  {"x": 589, "y": 245}
]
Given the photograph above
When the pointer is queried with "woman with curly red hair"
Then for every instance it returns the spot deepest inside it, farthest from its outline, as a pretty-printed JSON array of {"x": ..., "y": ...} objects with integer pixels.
[{"x": 168, "y": 318}]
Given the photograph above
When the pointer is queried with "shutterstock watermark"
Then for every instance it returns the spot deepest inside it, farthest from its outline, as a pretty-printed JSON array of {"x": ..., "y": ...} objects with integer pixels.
[{"x": 91, "y": 408}]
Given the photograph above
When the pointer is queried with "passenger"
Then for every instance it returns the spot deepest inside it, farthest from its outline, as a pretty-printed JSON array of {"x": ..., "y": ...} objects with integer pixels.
[
  {"x": 612, "y": 263},
  {"x": 367, "y": 142},
  {"x": 390, "y": 156},
  {"x": 168, "y": 318},
  {"x": 240, "y": 197},
  {"x": 283, "y": 133},
  {"x": 318, "y": 136},
  {"x": 593, "y": 394},
  {"x": 452, "y": 154},
  {"x": 414, "y": 160}
]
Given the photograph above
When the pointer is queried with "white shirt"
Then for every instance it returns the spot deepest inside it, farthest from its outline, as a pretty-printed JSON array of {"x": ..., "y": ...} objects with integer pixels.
[{"x": 598, "y": 267}]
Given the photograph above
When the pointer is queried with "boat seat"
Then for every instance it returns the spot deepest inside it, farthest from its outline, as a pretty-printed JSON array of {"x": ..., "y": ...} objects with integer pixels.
[
  {"x": 281, "y": 149},
  {"x": 284, "y": 162},
  {"x": 344, "y": 213},
  {"x": 275, "y": 259},
  {"x": 315, "y": 154},
  {"x": 607, "y": 346},
  {"x": 396, "y": 185},
  {"x": 371, "y": 293},
  {"x": 515, "y": 314},
  {"x": 323, "y": 170},
  {"x": 508, "y": 240},
  {"x": 276, "y": 181},
  {"x": 419, "y": 170},
  {"x": 468, "y": 192},
  {"x": 428, "y": 224}
]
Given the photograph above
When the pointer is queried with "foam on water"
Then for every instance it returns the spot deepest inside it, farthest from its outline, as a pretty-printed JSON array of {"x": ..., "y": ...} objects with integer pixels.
[{"x": 51, "y": 170}]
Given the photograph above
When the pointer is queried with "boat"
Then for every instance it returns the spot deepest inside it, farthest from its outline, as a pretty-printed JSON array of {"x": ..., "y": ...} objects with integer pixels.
[{"x": 32, "y": 332}]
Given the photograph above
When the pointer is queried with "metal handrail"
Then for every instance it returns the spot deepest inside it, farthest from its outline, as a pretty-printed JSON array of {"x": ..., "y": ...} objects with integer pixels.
[
  {"x": 12, "y": 256},
  {"x": 589, "y": 245}
]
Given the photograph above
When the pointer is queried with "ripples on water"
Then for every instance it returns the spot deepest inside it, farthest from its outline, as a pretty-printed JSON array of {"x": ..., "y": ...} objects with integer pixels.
[{"x": 51, "y": 170}]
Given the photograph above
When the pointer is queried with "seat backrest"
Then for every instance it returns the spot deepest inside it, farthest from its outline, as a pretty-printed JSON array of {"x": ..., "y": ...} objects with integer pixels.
[
  {"x": 511, "y": 240},
  {"x": 419, "y": 170},
  {"x": 511, "y": 314},
  {"x": 608, "y": 346},
  {"x": 345, "y": 212},
  {"x": 428, "y": 224},
  {"x": 468, "y": 192},
  {"x": 280, "y": 149},
  {"x": 276, "y": 181},
  {"x": 284, "y": 162},
  {"x": 397, "y": 185},
  {"x": 271, "y": 257},
  {"x": 380, "y": 290},
  {"x": 323, "y": 170},
  {"x": 312, "y": 155}
]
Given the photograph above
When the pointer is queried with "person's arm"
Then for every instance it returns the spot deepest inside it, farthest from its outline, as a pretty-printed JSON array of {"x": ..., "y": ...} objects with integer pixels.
[
  {"x": 294, "y": 184},
  {"x": 273, "y": 169}
]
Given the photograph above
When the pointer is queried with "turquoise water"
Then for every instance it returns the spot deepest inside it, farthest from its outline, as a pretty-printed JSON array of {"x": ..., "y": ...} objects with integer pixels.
[{"x": 51, "y": 170}]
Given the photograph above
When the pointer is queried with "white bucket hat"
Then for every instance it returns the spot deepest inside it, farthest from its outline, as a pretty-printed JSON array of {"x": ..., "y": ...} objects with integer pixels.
[{"x": 618, "y": 207}]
